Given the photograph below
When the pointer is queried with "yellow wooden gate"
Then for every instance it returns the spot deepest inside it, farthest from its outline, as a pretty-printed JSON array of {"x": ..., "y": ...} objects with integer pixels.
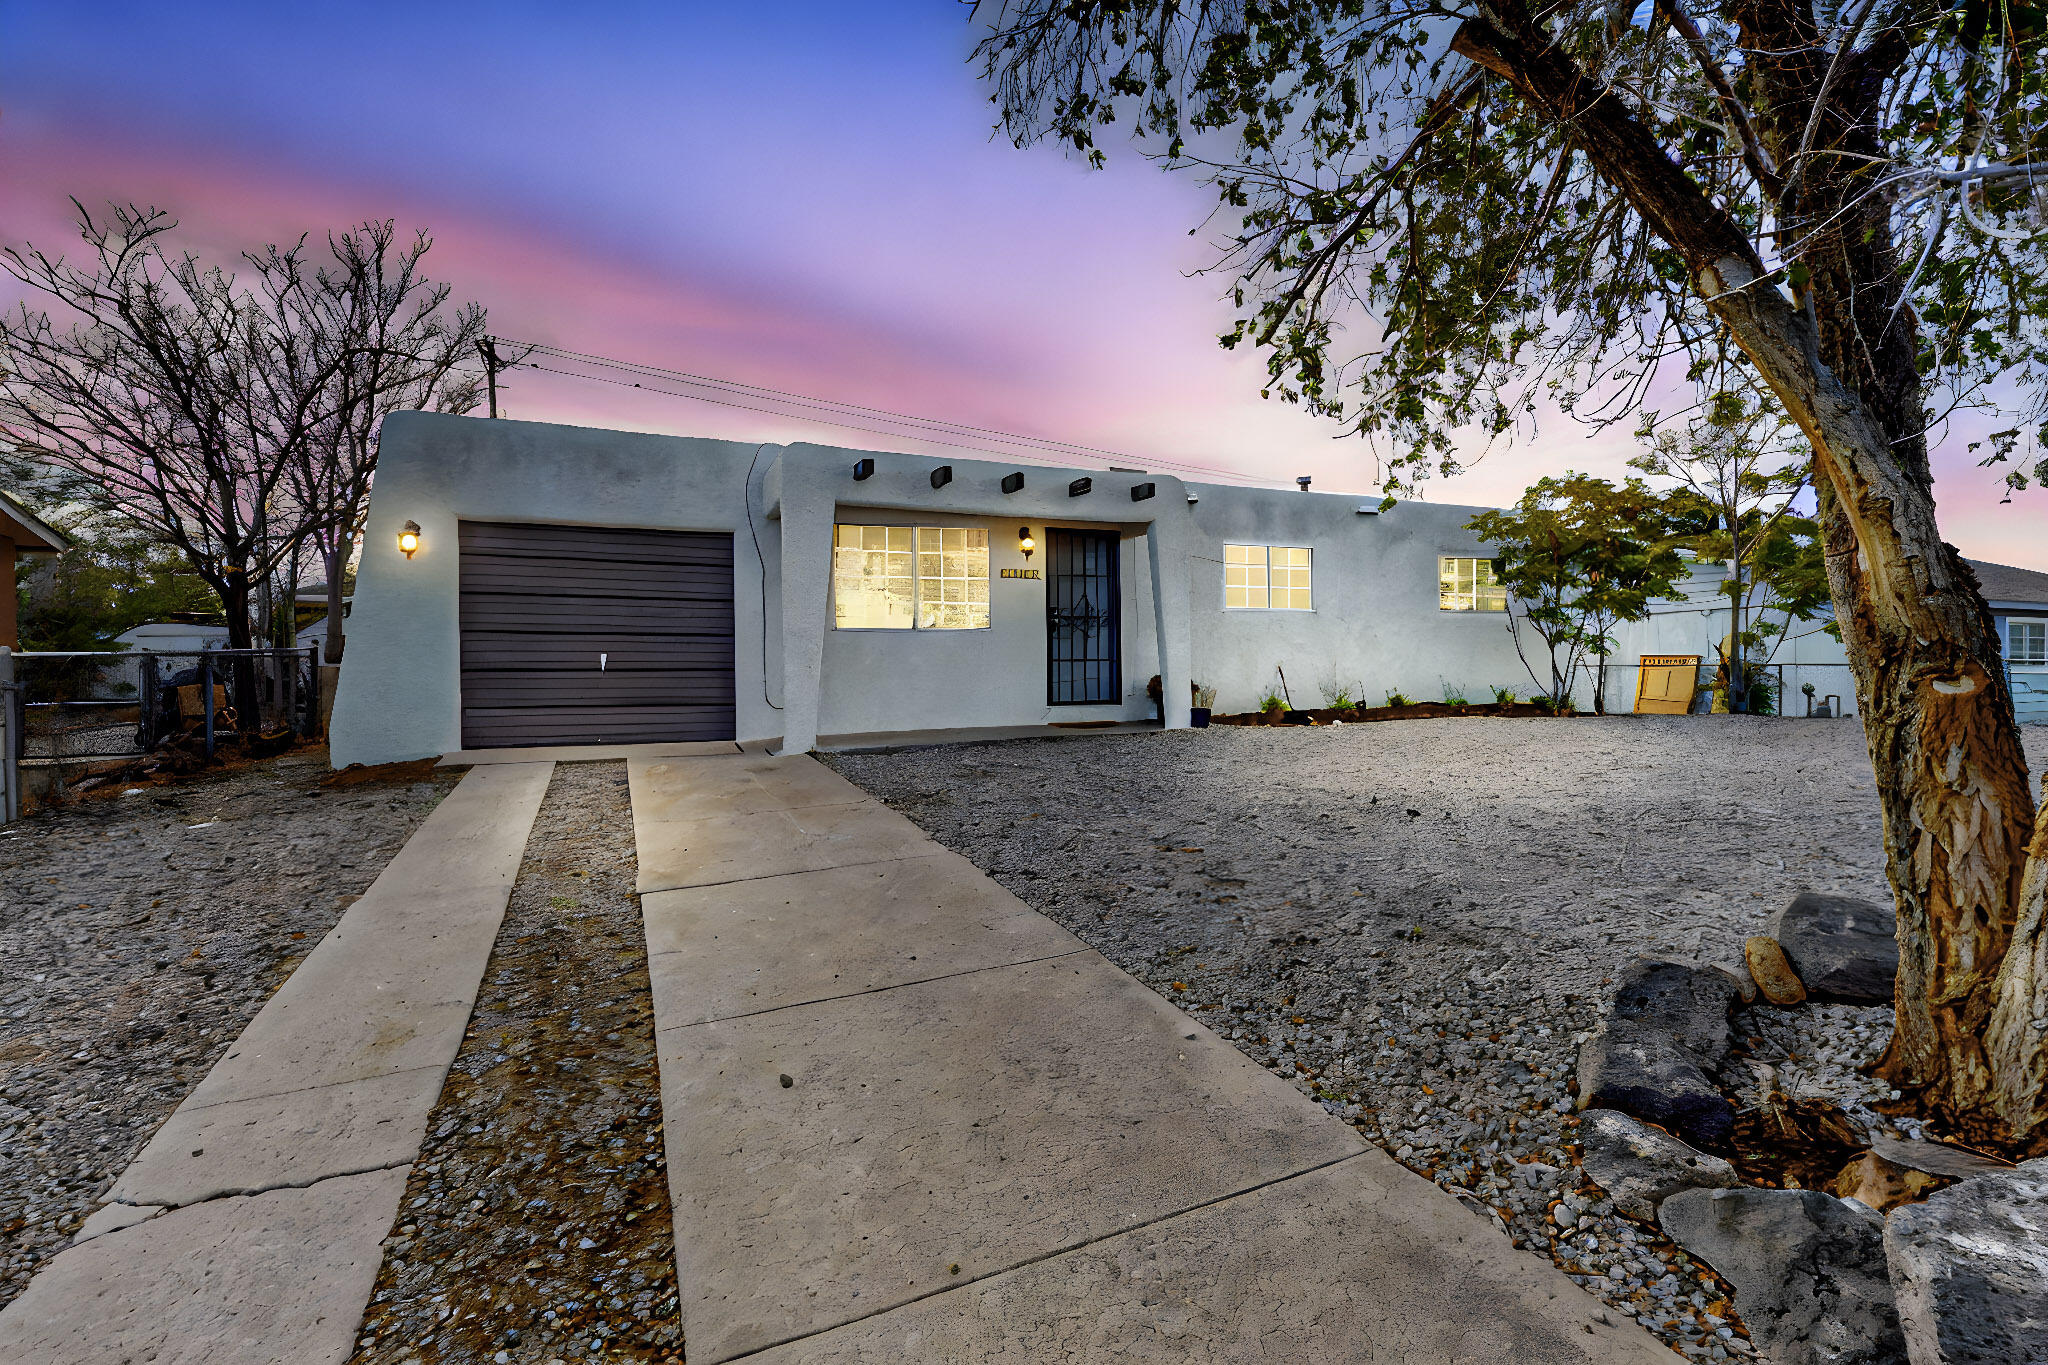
[{"x": 1665, "y": 683}]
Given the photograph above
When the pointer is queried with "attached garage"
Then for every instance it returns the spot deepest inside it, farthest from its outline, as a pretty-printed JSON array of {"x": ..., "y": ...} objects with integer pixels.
[{"x": 594, "y": 635}]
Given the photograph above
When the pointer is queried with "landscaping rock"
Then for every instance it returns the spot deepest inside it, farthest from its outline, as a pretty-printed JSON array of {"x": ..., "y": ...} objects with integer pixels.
[
  {"x": 1936, "y": 1158},
  {"x": 1897, "y": 1171},
  {"x": 1688, "y": 1002},
  {"x": 1772, "y": 973},
  {"x": 1650, "y": 1074},
  {"x": 1640, "y": 1166},
  {"x": 1808, "y": 1270},
  {"x": 1970, "y": 1268},
  {"x": 1842, "y": 948}
]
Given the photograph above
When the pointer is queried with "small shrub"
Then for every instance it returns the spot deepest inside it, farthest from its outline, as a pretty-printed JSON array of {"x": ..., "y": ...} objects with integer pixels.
[
  {"x": 1396, "y": 699},
  {"x": 1272, "y": 704},
  {"x": 1338, "y": 696},
  {"x": 1545, "y": 703},
  {"x": 1454, "y": 696},
  {"x": 1205, "y": 697},
  {"x": 1504, "y": 696}
]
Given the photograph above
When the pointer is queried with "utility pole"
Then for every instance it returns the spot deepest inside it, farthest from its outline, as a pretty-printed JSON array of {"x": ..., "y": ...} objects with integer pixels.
[{"x": 490, "y": 354}]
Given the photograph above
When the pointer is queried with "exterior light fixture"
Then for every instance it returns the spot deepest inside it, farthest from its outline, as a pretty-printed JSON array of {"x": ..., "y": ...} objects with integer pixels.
[
  {"x": 863, "y": 469},
  {"x": 1025, "y": 542},
  {"x": 409, "y": 539},
  {"x": 942, "y": 476},
  {"x": 1013, "y": 482},
  {"x": 1303, "y": 481},
  {"x": 1142, "y": 491},
  {"x": 1079, "y": 487}
]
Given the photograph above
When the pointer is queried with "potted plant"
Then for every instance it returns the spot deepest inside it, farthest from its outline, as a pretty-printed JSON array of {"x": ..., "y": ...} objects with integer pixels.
[{"x": 1204, "y": 703}]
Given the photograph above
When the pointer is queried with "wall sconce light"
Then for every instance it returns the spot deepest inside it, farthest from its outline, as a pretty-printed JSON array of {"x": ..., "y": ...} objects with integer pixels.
[
  {"x": 409, "y": 538},
  {"x": 1025, "y": 542}
]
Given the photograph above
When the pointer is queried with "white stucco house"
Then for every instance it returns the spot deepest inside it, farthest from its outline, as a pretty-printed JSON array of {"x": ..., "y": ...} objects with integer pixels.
[{"x": 565, "y": 585}]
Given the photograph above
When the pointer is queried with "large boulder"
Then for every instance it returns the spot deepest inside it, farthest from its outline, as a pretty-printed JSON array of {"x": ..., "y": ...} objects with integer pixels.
[
  {"x": 1970, "y": 1269},
  {"x": 1650, "y": 1074},
  {"x": 1808, "y": 1270},
  {"x": 1690, "y": 1003},
  {"x": 1843, "y": 949},
  {"x": 1640, "y": 1166}
]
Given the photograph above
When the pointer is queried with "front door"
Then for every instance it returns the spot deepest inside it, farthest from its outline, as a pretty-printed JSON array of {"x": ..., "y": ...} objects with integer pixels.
[{"x": 1084, "y": 647}]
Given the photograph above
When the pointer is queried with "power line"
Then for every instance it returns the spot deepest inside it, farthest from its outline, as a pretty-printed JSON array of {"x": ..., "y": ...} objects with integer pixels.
[{"x": 851, "y": 416}]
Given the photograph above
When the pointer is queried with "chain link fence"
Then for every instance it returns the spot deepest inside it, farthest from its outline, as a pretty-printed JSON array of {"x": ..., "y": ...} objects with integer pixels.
[{"x": 74, "y": 709}]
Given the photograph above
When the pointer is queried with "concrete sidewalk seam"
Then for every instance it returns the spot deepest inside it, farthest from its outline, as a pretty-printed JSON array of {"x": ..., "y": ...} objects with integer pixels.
[
  {"x": 310, "y": 1089},
  {"x": 1053, "y": 1255},
  {"x": 771, "y": 876},
  {"x": 855, "y": 995}
]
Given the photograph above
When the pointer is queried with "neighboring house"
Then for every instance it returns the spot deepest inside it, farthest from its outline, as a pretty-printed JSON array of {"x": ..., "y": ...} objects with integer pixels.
[
  {"x": 570, "y": 585},
  {"x": 23, "y": 535},
  {"x": 2019, "y": 605}
]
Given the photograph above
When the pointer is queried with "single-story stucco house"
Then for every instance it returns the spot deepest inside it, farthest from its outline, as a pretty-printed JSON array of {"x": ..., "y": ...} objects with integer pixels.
[{"x": 532, "y": 584}]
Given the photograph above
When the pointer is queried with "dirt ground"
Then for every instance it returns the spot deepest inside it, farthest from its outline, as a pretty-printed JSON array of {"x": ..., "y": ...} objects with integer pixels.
[
  {"x": 1415, "y": 921},
  {"x": 535, "y": 1225},
  {"x": 139, "y": 933}
]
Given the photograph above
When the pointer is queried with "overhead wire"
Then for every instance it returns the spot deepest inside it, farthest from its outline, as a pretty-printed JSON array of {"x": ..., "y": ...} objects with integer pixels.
[{"x": 849, "y": 416}]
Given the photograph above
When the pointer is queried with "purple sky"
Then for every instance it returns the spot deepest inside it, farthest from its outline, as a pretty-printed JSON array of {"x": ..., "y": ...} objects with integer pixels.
[{"x": 804, "y": 196}]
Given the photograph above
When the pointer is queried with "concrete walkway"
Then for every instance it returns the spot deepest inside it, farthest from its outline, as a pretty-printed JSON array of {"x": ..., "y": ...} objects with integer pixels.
[
  {"x": 249, "y": 1229},
  {"x": 909, "y": 1119}
]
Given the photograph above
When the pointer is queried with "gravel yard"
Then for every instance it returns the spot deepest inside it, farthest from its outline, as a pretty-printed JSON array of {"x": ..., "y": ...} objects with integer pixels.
[
  {"x": 140, "y": 933},
  {"x": 1415, "y": 920},
  {"x": 535, "y": 1225}
]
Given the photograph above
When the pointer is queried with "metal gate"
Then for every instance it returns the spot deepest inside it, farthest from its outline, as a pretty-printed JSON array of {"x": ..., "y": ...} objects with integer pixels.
[
  {"x": 594, "y": 635},
  {"x": 1084, "y": 642}
]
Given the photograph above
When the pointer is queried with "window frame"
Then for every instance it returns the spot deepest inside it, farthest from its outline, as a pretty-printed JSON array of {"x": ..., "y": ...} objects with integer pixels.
[
  {"x": 1475, "y": 609},
  {"x": 2039, "y": 629},
  {"x": 917, "y": 577},
  {"x": 1265, "y": 569}
]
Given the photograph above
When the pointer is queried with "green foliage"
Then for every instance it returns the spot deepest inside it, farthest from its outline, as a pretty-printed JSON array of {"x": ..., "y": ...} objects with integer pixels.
[
  {"x": 1397, "y": 699},
  {"x": 1370, "y": 175},
  {"x": 1505, "y": 696},
  {"x": 82, "y": 599},
  {"x": 1338, "y": 696},
  {"x": 1272, "y": 703},
  {"x": 1455, "y": 696},
  {"x": 1578, "y": 555}
]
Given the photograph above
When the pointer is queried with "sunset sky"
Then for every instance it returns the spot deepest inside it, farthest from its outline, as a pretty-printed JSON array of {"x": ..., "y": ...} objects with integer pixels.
[{"x": 803, "y": 196}]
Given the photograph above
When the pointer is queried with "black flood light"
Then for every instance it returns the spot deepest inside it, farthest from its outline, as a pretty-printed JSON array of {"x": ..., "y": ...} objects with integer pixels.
[
  {"x": 1079, "y": 487},
  {"x": 1013, "y": 483},
  {"x": 863, "y": 469}
]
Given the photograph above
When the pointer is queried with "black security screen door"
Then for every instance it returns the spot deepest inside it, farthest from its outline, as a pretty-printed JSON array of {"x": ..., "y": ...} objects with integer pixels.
[{"x": 1084, "y": 648}]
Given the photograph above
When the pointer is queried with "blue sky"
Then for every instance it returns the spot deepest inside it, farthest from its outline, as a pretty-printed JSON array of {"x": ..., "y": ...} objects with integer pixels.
[{"x": 805, "y": 196}]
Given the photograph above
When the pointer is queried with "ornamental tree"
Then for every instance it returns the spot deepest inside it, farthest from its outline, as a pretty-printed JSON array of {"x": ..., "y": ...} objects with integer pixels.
[
  {"x": 1436, "y": 211},
  {"x": 1578, "y": 556}
]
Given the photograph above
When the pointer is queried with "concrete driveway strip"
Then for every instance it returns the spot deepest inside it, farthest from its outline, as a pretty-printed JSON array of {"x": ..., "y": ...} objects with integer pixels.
[
  {"x": 324, "y": 1097},
  {"x": 909, "y": 1119}
]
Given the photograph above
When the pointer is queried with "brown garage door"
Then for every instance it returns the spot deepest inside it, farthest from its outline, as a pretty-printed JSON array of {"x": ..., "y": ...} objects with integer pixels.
[{"x": 593, "y": 635}]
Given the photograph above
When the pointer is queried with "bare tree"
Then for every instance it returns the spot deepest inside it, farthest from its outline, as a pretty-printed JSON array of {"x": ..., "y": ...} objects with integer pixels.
[
  {"x": 1517, "y": 199},
  {"x": 404, "y": 350},
  {"x": 175, "y": 393}
]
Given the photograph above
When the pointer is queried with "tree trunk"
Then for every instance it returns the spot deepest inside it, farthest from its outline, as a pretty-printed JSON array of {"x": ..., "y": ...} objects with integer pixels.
[
  {"x": 234, "y": 598},
  {"x": 1965, "y": 850},
  {"x": 334, "y": 555}
]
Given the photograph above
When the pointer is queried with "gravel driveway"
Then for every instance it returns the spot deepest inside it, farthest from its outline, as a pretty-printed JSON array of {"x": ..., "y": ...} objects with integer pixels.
[
  {"x": 1415, "y": 920},
  {"x": 139, "y": 934}
]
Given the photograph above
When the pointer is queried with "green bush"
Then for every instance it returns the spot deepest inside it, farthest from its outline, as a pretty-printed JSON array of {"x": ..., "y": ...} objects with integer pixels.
[
  {"x": 1454, "y": 696},
  {"x": 1396, "y": 699},
  {"x": 1504, "y": 696},
  {"x": 1272, "y": 702}
]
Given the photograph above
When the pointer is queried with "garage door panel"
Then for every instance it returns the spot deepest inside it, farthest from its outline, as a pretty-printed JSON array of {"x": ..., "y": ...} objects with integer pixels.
[
  {"x": 592, "y": 615},
  {"x": 517, "y": 651},
  {"x": 540, "y": 604},
  {"x": 516, "y": 727}
]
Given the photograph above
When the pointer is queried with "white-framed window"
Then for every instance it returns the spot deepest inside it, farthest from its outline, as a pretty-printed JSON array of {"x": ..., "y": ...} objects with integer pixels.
[
  {"x": 2026, "y": 642},
  {"x": 910, "y": 578},
  {"x": 1266, "y": 578},
  {"x": 1466, "y": 584}
]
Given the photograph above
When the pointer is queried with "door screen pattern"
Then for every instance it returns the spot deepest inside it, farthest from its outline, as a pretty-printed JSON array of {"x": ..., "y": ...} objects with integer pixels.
[{"x": 1084, "y": 645}]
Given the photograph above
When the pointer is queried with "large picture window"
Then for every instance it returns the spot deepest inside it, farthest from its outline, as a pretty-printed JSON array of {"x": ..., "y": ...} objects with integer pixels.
[
  {"x": 909, "y": 578},
  {"x": 1469, "y": 585},
  {"x": 1266, "y": 577}
]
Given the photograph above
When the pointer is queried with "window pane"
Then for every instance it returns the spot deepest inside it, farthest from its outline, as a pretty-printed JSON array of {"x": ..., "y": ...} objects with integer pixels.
[
  {"x": 2027, "y": 642},
  {"x": 952, "y": 578},
  {"x": 871, "y": 588}
]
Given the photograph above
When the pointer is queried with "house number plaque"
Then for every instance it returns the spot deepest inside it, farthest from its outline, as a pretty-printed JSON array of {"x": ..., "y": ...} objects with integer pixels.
[{"x": 1020, "y": 573}]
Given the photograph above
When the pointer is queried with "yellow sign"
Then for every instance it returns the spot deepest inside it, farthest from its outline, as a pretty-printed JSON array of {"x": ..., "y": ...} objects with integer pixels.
[
  {"x": 1020, "y": 573},
  {"x": 1665, "y": 684}
]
